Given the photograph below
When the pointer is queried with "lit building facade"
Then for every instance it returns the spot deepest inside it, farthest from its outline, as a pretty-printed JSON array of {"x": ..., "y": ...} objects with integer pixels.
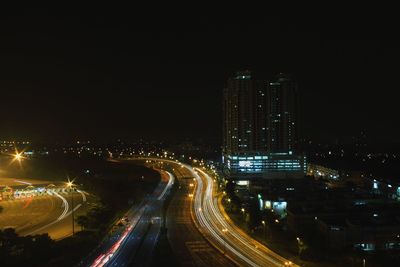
[{"x": 260, "y": 128}]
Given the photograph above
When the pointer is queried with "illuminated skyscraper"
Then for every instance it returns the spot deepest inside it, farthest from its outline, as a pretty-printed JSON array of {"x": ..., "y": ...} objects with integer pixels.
[
  {"x": 282, "y": 134},
  {"x": 260, "y": 127}
]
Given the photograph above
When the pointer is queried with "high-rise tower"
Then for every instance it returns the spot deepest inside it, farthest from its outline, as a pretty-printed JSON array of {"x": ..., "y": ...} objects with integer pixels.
[
  {"x": 260, "y": 136},
  {"x": 282, "y": 134}
]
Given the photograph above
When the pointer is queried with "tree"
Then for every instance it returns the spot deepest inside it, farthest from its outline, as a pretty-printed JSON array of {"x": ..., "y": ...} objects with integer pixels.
[
  {"x": 83, "y": 221},
  {"x": 254, "y": 219},
  {"x": 230, "y": 188}
]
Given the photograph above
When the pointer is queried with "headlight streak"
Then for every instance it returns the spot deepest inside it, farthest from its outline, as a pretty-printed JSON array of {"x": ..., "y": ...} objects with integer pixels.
[
  {"x": 247, "y": 249},
  {"x": 211, "y": 222}
]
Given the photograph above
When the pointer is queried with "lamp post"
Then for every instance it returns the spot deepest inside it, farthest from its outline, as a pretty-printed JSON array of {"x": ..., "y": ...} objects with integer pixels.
[
  {"x": 300, "y": 244},
  {"x": 265, "y": 236},
  {"x": 70, "y": 184},
  {"x": 224, "y": 231}
]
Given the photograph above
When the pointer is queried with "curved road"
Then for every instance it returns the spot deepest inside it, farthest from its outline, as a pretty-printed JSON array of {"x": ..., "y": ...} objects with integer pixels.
[
  {"x": 42, "y": 214},
  {"x": 135, "y": 242},
  {"x": 188, "y": 244},
  {"x": 237, "y": 245},
  {"x": 218, "y": 229}
]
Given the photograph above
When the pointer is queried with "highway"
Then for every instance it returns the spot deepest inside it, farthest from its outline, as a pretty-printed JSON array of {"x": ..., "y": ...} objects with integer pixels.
[
  {"x": 135, "y": 242},
  {"x": 234, "y": 243},
  {"x": 43, "y": 214},
  {"x": 214, "y": 225},
  {"x": 187, "y": 243}
]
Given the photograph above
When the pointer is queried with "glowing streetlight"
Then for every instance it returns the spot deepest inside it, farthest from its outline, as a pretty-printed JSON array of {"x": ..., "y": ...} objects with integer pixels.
[
  {"x": 18, "y": 156},
  {"x": 264, "y": 226},
  {"x": 301, "y": 245},
  {"x": 70, "y": 184}
]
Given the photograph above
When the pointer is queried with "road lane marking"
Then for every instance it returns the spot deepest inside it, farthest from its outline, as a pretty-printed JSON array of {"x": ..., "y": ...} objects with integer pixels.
[{"x": 58, "y": 219}]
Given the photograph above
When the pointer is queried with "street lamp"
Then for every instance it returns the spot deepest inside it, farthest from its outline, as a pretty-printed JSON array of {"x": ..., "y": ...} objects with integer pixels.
[
  {"x": 70, "y": 184},
  {"x": 229, "y": 204},
  {"x": 300, "y": 244},
  {"x": 264, "y": 225},
  {"x": 243, "y": 210},
  {"x": 224, "y": 230},
  {"x": 18, "y": 156}
]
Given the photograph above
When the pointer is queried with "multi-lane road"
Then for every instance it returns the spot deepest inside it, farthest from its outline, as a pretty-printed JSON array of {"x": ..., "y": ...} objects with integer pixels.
[
  {"x": 188, "y": 244},
  {"x": 210, "y": 236},
  {"x": 234, "y": 242},
  {"x": 50, "y": 213},
  {"x": 199, "y": 231},
  {"x": 134, "y": 243}
]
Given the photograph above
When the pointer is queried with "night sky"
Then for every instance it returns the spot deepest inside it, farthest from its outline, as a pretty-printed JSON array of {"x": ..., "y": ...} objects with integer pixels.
[{"x": 110, "y": 73}]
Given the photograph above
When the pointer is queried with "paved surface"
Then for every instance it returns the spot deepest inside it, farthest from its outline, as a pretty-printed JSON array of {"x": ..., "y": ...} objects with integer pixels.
[
  {"x": 199, "y": 199},
  {"x": 134, "y": 243},
  {"x": 220, "y": 230},
  {"x": 189, "y": 246},
  {"x": 42, "y": 214},
  {"x": 154, "y": 217}
]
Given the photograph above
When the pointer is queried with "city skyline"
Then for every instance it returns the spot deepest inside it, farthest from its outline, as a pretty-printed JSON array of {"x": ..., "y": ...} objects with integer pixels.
[{"x": 211, "y": 138}]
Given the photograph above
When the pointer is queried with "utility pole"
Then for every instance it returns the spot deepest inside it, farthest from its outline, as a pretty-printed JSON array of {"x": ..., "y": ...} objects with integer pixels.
[
  {"x": 73, "y": 219},
  {"x": 70, "y": 185}
]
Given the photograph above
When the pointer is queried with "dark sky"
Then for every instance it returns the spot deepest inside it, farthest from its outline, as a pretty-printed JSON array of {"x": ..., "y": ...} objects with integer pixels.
[{"x": 109, "y": 73}]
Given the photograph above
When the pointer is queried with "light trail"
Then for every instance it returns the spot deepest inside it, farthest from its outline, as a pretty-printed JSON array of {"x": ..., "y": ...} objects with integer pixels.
[
  {"x": 63, "y": 215},
  {"x": 103, "y": 259},
  {"x": 83, "y": 195},
  {"x": 22, "y": 182},
  {"x": 66, "y": 206},
  {"x": 233, "y": 239},
  {"x": 170, "y": 182},
  {"x": 225, "y": 236},
  {"x": 112, "y": 254}
]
